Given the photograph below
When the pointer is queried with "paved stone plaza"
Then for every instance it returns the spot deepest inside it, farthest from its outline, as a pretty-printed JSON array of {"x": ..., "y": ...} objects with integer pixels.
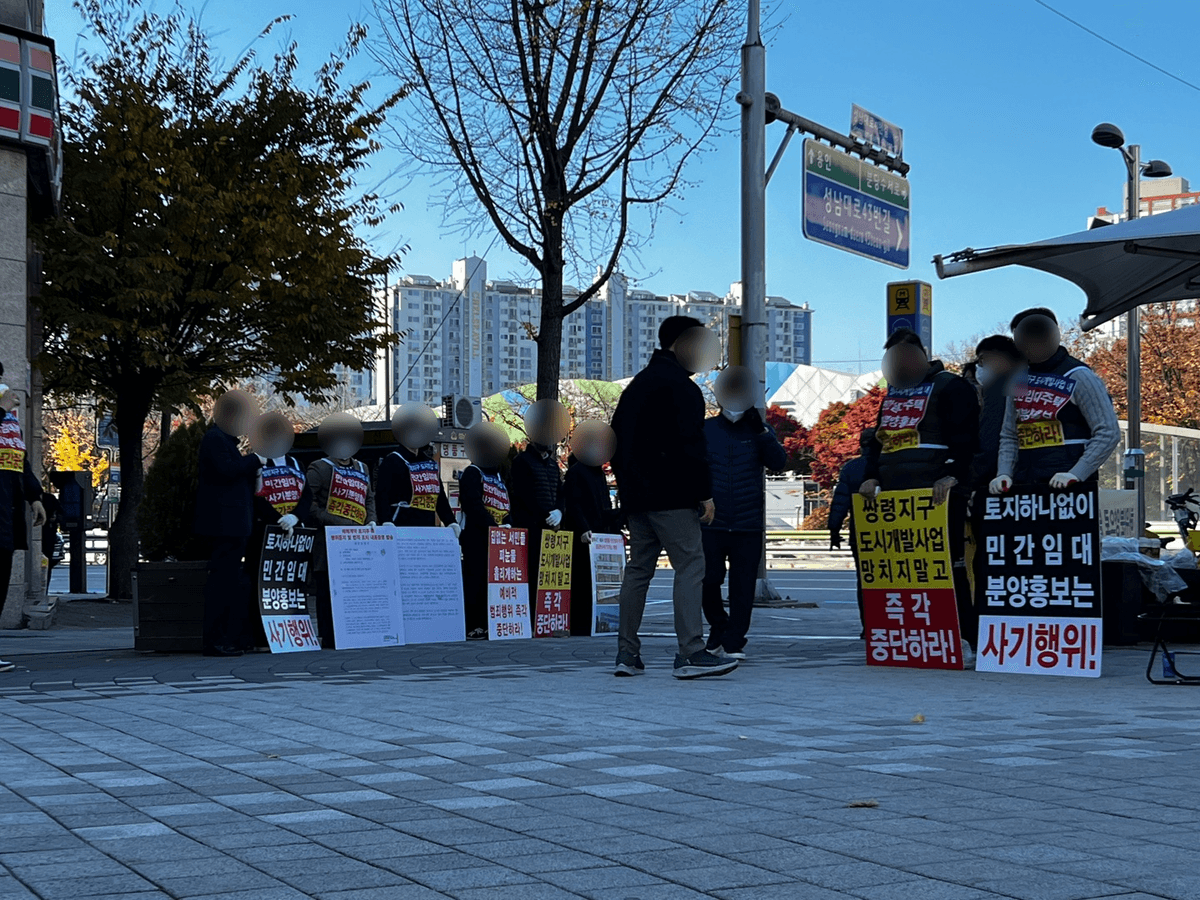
[{"x": 525, "y": 770}]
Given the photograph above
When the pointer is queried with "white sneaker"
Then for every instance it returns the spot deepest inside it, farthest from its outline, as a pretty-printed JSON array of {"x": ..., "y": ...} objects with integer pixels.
[
  {"x": 968, "y": 656},
  {"x": 6, "y": 666}
]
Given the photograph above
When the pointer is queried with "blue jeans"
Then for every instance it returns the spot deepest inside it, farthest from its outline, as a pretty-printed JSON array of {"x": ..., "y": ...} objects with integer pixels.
[{"x": 743, "y": 551}]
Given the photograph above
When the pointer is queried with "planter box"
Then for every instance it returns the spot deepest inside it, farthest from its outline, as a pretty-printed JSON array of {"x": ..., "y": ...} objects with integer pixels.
[{"x": 168, "y": 606}]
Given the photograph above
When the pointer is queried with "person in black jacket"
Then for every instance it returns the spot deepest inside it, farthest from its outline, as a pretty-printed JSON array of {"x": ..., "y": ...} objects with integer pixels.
[
  {"x": 408, "y": 483},
  {"x": 665, "y": 489},
  {"x": 18, "y": 487},
  {"x": 925, "y": 437},
  {"x": 850, "y": 479},
  {"x": 535, "y": 480},
  {"x": 740, "y": 448},
  {"x": 224, "y": 513},
  {"x": 997, "y": 362},
  {"x": 589, "y": 511},
  {"x": 483, "y": 505}
]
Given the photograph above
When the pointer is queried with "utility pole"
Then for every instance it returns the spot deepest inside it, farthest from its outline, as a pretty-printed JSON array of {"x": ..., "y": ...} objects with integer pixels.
[
  {"x": 1135, "y": 457},
  {"x": 753, "y": 100}
]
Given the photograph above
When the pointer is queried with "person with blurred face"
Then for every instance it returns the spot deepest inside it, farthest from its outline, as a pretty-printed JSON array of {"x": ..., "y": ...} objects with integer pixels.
[
  {"x": 925, "y": 437},
  {"x": 665, "y": 489},
  {"x": 225, "y": 514},
  {"x": 18, "y": 487},
  {"x": 535, "y": 480},
  {"x": 339, "y": 493},
  {"x": 279, "y": 499},
  {"x": 408, "y": 484},
  {"x": 997, "y": 362},
  {"x": 850, "y": 479},
  {"x": 741, "y": 447},
  {"x": 589, "y": 511},
  {"x": 1059, "y": 424},
  {"x": 483, "y": 504}
]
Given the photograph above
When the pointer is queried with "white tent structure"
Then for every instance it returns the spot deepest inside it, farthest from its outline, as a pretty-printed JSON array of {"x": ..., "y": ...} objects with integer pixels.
[{"x": 810, "y": 389}]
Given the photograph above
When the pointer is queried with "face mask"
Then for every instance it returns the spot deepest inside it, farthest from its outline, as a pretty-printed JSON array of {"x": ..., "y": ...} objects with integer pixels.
[
  {"x": 983, "y": 375},
  {"x": 733, "y": 415}
]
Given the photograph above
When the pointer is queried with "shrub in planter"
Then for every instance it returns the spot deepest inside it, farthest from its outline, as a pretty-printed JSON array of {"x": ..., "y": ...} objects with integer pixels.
[
  {"x": 817, "y": 520},
  {"x": 168, "y": 508}
]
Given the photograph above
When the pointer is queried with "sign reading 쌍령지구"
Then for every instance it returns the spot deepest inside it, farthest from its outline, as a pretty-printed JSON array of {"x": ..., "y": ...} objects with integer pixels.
[
  {"x": 904, "y": 567},
  {"x": 1039, "y": 594},
  {"x": 553, "y": 611}
]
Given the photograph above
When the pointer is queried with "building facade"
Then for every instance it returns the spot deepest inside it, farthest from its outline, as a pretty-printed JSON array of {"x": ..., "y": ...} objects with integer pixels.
[{"x": 472, "y": 336}]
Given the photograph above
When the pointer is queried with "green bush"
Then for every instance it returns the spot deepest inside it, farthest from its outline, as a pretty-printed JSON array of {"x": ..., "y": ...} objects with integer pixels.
[{"x": 165, "y": 517}]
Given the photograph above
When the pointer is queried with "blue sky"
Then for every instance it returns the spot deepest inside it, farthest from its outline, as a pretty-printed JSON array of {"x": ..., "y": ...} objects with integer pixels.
[{"x": 997, "y": 102}]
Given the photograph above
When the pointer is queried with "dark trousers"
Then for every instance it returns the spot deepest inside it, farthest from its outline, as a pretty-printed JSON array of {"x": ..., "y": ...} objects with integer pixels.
[
  {"x": 322, "y": 596},
  {"x": 475, "y": 579},
  {"x": 743, "y": 551},
  {"x": 6, "y": 563},
  {"x": 862, "y": 617},
  {"x": 226, "y": 595},
  {"x": 581, "y": 588},
  {"x": 968, "y": 614},
  {"x": 255, "y": 633}
]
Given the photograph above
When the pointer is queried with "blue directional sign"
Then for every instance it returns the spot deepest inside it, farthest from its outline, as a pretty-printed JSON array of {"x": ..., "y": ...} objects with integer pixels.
[{"x": 853, "y": 205}]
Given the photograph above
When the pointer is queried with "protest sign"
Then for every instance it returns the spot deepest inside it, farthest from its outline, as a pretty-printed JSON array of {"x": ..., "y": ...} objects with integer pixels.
[
  {"x": 908, "y": 588},
  {"x": 508, "y": 584},
  {"x": 282, "y": 576},
  {"x": 1039, "y": 594},
  {"x": 608, "y": 569},
  {"x": 553, "y": 611},
  {"x": 1118, "y": 514},
  {"x": 430, "y": 566},
  {"x": 364, "y": 586}
]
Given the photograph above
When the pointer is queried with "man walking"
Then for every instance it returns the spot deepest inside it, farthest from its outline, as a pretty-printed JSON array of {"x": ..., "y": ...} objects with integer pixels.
[
  {"x": 850, "y": 479},
  {"x": 663, "y": 482}
]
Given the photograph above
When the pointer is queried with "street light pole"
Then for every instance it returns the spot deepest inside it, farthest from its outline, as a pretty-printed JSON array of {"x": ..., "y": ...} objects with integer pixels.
[
  {"x": 1135, "y": 457},
  {"x": 753, "y": 100}
]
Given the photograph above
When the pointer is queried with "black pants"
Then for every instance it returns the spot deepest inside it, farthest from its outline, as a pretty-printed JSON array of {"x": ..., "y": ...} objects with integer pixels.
[
  {"x": 475, "y": 580},
  {"x": 226, "y": 595},
  {"x": 581, "y": 588},
  {"x": 968, "y": 614},
  {"x": 743, "y": 550},
  {"x": 6, "y": 563},
  {"x": 324, "y": 601}
]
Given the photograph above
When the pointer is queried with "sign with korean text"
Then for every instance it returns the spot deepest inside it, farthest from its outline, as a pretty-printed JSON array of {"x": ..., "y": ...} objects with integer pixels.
[
  {"x": 553, "y": 611},
  {"x": 1039, "y": 595},
  {"x": 364, "y": 586},
  {"x": 608, "y": 570},
  {"x": 430, "y": 565},
  {"x": 869, "y": 127},
  {"x": 508, "y": 584},
  {"x": 853, "y": 205},
  {"x": 1118, "y": 514},
  {"x": 282, "y": 576},
  {"x": 904, "y": 567}
]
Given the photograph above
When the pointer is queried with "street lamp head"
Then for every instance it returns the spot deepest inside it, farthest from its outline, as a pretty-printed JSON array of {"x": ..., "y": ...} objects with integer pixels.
[
  {"x": 1108, "y": 135},
  {"x": 1156, "y": 168}
]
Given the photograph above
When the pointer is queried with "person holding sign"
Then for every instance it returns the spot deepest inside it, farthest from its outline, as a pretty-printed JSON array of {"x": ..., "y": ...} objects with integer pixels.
[
  {"x": 224, "y": 514},
  {"x": 18, "y": 486},
  {"x": 1059, "y": 424},
  {"x": 408, "y": 483},
  {"x": 535, "y": 483},
  {"x": 925, "y": 437},
  {"x": 339, "y": 490},
  {"x": 741, "y": 447},
  {"x": 277, "y": 497},
  {"x": 484, "y": 504},
  {"x": 589, "y": 511}
]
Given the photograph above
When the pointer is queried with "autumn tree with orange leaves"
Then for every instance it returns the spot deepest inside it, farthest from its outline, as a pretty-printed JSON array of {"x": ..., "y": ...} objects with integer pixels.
[{"x": 835, "y": 437}]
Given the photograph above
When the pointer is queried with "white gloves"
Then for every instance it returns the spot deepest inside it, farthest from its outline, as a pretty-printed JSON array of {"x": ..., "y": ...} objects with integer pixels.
[
  {"x": 387, "y": 524},
  {"x": 455, "y": 529},
  {"x": 39, "y": 513},
  {"x": 287, "y": 523},
  {"x": 555, "y": 518},
  {"x": 1063, "y": 480},
  {"x": 1000, "y": 484},
  {"x": 586, "y": 537},
  {"x": 505, "y": 525}
]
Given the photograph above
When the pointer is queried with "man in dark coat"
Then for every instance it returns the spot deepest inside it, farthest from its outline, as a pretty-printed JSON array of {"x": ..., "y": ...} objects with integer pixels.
[
  {"x": 224, "y": 513},
  {"x": 997, "y": 363},
  {"x": 535, "y": 494},
  {"x": 665, "y": 490},
  {"x": 850, "y": 479},
  {"x": 18, "y": 487},
  {"x": 589, "y": 511},
  {"x": 740, "y": 447},
  {"x": 483, "y": 500}
]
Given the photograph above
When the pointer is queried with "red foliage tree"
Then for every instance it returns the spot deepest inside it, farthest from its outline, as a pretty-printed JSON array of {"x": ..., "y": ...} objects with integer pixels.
[
  {"x": 835, "y": 437},
  {"x": 796, "y": 439}
]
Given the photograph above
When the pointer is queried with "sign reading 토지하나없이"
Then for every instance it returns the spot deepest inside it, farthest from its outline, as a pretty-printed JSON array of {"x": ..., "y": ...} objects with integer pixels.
[
  {"x": 282, "y": 577},
  {"x": 508, "y": 584},
  {"x": 553, "y": 611},
  {"x": 608, "y": 570},
  {"x": 1039, "y": 594},
  {"x": 904, "y": 567}
]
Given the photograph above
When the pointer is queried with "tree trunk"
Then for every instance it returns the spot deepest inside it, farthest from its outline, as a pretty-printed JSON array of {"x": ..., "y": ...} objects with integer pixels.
[
  {"x": 164, "y": 427},
  {"x": 549, "y": 340},
  {"x": 130, "y": 417}
]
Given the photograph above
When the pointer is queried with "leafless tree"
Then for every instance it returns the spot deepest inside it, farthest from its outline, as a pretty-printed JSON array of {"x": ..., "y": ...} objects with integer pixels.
[{"x": 562, "y": 124}]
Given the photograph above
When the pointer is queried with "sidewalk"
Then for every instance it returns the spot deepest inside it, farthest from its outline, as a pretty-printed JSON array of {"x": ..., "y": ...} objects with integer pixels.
[{"x": 525, "y": 770}]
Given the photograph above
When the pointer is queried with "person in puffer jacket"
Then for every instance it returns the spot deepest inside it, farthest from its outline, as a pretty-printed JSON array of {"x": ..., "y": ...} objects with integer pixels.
[{"x": 740, "y": 447}]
